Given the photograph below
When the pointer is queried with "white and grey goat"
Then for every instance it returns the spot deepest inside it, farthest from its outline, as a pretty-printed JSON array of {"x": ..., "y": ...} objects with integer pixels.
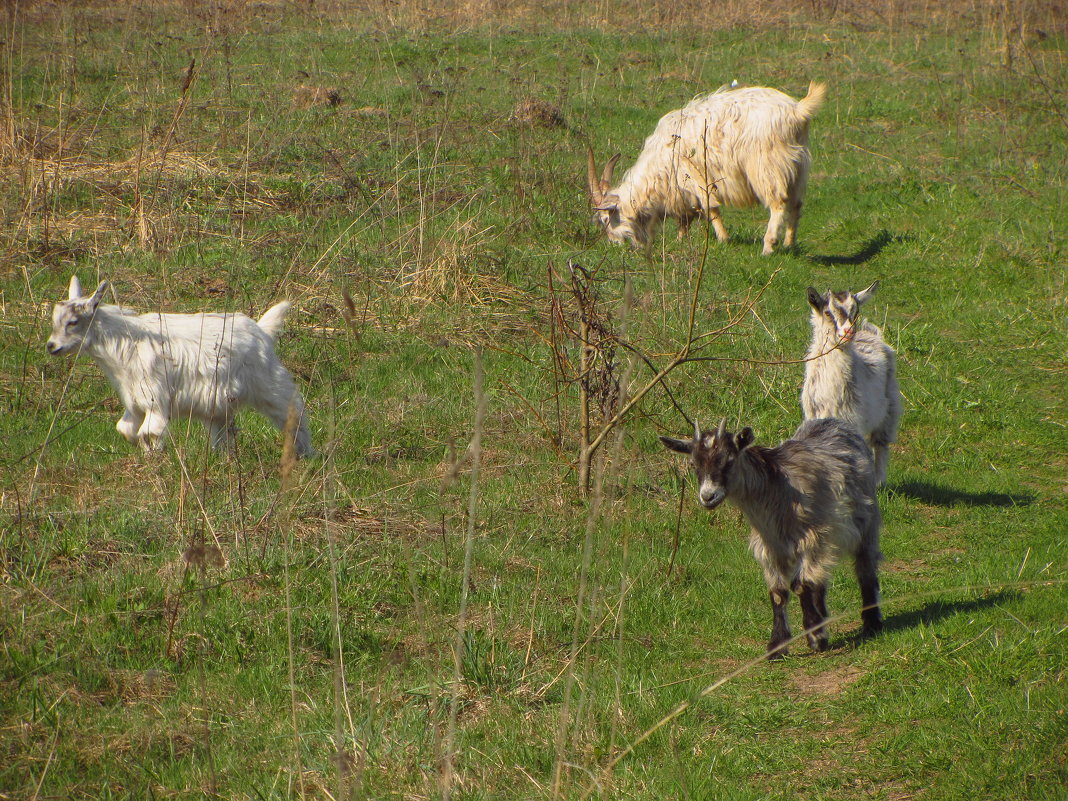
[
  {"x": 171, "y": 366},
  {"x": 807, "y": 501},
  {"x": 851, "y": 372},
  {"x": 734, "y": 147}
]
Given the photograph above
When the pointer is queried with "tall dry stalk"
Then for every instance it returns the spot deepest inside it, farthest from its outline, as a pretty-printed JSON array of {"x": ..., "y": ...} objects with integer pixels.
[
  {"x": 584, "y": 607},
  {"x": 475, "y": 452},
  {"x": 142, "y": 210},
  {"x": 624, "y": 572},
  {"x": 585, "y": 360},
  {"x": 287, "y": 468},
  {"x": 8, "y": 131},
  {"x": 346, "y": 786}
]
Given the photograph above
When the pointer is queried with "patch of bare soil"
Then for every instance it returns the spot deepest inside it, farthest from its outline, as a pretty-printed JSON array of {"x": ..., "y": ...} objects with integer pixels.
[{"x": 829, "y": 683}]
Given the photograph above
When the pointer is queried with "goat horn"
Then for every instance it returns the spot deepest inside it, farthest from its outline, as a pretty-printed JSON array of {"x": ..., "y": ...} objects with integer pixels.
[
  {"x": 696, "y": 431},
  {"x": 606, "y": 173},
  {"x": 596, "y": 192},
  {"x": 722, "y": 428}
]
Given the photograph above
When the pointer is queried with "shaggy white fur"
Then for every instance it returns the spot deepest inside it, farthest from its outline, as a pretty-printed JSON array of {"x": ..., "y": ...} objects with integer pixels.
[
  {"x": 852, "y": 373},
  {"x": 168, "y": 366},
  {"x": 734, "y": 147}
]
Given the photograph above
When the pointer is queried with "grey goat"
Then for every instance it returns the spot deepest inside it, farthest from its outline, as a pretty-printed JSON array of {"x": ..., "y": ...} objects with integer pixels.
[{"x": 807, "y": 500}]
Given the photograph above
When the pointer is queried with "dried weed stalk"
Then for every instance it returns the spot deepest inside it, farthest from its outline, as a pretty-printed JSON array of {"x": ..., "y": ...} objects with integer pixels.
[{"x": 448, "y": 778}]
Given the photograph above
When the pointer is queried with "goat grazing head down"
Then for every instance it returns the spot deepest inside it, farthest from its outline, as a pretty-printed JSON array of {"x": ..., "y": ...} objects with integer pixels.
[
  {"x": 72, "y": 319},
  {"x": 713, "y": 454},
  {"x": 606, "y": 203},
  {"x": 840, "y": 309},
  {"x": 733, "y": 147}
]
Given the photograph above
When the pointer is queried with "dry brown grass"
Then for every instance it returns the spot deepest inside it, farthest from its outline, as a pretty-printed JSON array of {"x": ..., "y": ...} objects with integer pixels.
[
  {"x": 305, "y": 97},
  {"x": 168, "y": 175},
  {"x": 37, "y": 173},
  {"x": 1008, "y": 18},
  {"x": 532, "y": 111}
]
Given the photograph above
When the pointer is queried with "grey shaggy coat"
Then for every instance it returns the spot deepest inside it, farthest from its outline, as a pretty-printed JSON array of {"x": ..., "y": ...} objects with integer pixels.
[{"x": 807, "y": 501}]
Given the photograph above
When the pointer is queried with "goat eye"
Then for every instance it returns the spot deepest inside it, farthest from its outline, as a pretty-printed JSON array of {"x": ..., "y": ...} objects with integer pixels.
[{"x": 72, "y": 323}]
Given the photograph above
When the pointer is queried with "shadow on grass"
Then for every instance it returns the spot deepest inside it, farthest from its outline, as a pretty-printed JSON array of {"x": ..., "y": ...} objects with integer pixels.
[
  {"x": 930, "y": 612},
  {"x": 872, "y": 248},
  {"x": 935, "y": 495},
  {"x": 933, "y": 611}
]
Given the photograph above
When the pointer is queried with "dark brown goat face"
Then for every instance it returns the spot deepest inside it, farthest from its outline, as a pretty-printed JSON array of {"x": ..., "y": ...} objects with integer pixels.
[{"x": 713, "y": 454}]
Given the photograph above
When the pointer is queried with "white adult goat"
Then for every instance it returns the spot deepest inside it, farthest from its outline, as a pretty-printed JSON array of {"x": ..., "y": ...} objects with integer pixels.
[
  {"x": 734, "y": 147},
  {"x": 167, "y": 366},
  {"x": 851, "y": 373}
]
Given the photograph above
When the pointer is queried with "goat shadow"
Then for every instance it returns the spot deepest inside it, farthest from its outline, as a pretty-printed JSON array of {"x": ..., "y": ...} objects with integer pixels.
[
  {"x": 932, "y": 612},
  {"x": 868, "y": 251},
  {"x": 935, "y": 495}
]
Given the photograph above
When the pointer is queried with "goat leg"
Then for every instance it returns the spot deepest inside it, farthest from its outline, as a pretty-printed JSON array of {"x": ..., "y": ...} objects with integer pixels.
[
  {"x": 868, "y": 578},
  {"x": 780, "y": 626},
  {"x": 813, "y": 612}
]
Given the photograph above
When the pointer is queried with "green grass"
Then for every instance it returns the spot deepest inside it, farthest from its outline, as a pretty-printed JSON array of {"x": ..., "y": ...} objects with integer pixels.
[{"x": 130, "y": 671}]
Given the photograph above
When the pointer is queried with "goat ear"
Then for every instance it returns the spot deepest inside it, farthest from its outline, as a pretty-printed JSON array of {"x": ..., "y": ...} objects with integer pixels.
[
  {"x": 865, "y": 294},
  {"x": 94, "y": 301},
  {"x": 744, "y": 438},
  {"x": 815, "y": 299},
  {"x": 678, "y": 445},
  {"x": 74, "y": 291}
]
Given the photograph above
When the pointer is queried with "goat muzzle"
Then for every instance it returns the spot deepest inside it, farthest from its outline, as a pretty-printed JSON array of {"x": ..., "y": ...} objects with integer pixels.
[{"x": 713, "y": 499}]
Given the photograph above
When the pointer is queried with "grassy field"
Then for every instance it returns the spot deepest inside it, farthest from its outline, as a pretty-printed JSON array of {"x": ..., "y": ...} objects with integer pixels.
[{"x": 431, "y": 608}]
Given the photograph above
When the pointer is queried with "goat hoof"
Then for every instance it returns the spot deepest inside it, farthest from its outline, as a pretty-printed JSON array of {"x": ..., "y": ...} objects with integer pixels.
[
  {"x": 777, "y": 652},
  {"x": 872, "y": 625},
  {"x": 819, "y": 643}
]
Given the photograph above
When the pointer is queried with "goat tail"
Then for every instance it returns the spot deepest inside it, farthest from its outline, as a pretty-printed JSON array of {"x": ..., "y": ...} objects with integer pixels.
[
  {"x": 810, "y": 103},
  {"x": 272, "y": 319}
]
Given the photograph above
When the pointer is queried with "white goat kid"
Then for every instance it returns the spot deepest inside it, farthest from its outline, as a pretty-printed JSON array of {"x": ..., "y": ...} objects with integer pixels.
[
  {"x": 851, "y": 372},
  {"x": 168, "y": 366},
  {"x": 734, "y": 147}
]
